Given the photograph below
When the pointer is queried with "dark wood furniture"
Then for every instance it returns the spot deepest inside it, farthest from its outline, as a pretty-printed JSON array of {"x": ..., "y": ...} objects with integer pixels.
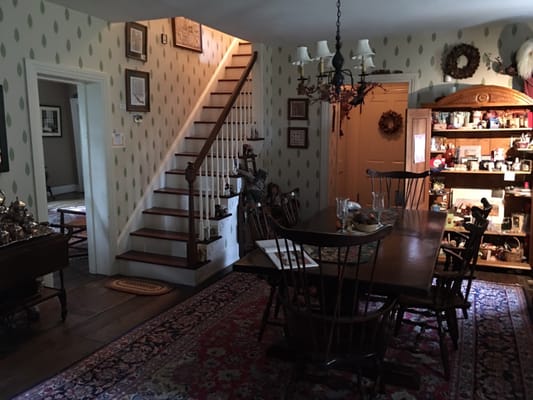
[
  {"x": 21, "y": 263},
  {"x": 77, "y": 225},
  {"x": 333, "y": 321},
  {"x": 407, "y": 259}
]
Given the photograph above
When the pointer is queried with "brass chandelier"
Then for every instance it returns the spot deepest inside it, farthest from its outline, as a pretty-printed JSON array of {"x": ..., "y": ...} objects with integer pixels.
[{"x": 334, "y": 83}]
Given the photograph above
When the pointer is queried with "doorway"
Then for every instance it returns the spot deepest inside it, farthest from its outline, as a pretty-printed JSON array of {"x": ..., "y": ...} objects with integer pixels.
[{"x": 94, "y": 121}]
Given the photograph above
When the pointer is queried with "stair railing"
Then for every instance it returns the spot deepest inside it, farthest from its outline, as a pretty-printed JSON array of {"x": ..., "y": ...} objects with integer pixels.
[{"x": 219, "y": 157}]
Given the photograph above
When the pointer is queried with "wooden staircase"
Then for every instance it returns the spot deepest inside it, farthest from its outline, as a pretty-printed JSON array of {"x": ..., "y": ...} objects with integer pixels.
[{"x": 186, "y": 243}]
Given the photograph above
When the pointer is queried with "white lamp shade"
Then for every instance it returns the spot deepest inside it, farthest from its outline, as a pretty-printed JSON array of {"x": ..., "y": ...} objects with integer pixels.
[
  {"x": 363, "y": 48},
  {"x": 322, "y": 50},
  {"x": 302, "y": 56}
]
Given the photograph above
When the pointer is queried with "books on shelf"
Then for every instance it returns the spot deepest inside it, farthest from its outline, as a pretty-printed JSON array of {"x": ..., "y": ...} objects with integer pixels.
[{"x": 271, "y": 250}]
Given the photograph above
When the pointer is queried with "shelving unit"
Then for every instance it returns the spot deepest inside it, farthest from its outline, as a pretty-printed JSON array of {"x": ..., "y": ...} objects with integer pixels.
[{"x": 486, "y": 98}]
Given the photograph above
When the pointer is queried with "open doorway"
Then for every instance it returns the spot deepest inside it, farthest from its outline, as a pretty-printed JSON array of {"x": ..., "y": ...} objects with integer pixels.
[{"x": 92, "y": 89}]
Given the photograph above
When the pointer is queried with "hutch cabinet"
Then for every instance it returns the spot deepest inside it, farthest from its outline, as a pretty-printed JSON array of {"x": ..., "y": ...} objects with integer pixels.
[{"x": 481, "y": 145}]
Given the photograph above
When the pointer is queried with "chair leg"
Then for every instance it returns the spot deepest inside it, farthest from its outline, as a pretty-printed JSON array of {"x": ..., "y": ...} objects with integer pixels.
[
  {"x": 451, "y": 319},
  {"x": 399, "y": 319},
  {"x": 266, "y": 312},
  {"x": 443, "y": 347}
]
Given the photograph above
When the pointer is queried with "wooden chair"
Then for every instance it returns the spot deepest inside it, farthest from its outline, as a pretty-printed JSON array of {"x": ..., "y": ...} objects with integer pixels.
[
  {"x": 258, "y": 221},
  {"x": 447, "y": 294},
  {"x": 333, "y": 319},
  {"x": 401, "y": 189},
  {"x": 290, "y": 208}
]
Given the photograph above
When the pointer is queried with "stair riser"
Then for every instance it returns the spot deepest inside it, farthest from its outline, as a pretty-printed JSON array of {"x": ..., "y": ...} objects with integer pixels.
[
  {"x": 226, "y": 86},
  {"x": 210, "y": 114},
  {"x": 181, "y": 202},
  {"x": 240, "y": 60},
  {"x": 245, "y": 48},
  {"x": 218, "y": 99},
  {"x": 178, "y": 181},
  {"x": 169, "y": 223},
  {"x": 181, "y": 162},
  {"x": 159, "y": 246},
  {"x": 233, "y": 73},
  {"x": 204, "y": 130}
]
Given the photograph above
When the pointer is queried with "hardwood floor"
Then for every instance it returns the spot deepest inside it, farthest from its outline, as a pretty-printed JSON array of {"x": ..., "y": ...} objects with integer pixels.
[{"x": 33, "y": 352}]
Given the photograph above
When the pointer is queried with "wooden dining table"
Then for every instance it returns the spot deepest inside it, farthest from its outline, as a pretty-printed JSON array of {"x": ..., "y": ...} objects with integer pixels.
[{"x": 405, "y": 260}]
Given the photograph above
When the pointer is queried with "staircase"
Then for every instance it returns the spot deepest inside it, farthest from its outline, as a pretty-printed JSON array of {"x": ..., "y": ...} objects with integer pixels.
[{"x": 190, "y": 231}]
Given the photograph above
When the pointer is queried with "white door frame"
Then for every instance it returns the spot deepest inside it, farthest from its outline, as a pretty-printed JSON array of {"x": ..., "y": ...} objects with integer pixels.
[{"x": 94, "y": 105}]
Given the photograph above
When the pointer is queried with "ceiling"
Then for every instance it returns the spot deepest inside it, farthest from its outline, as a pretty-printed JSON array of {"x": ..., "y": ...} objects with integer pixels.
[{"x": 298, "y": 22}]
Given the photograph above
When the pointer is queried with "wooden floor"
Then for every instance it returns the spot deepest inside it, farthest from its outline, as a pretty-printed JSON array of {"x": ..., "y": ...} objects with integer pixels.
[{"x": 97, "y": 315}]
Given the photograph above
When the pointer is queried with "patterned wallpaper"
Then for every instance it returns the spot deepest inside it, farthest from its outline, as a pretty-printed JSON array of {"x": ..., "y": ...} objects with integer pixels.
[
  {"x": 418, "y": 54},
  {"x": 49, "y": 33}
]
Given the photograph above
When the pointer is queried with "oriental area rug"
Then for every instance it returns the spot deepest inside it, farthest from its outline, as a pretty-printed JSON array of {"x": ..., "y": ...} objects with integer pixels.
[{"x": 206, "y": 348}]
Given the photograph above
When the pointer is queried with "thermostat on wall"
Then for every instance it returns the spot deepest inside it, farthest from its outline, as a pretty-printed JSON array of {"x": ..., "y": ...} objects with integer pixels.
[{"x": 118, "y": 139}]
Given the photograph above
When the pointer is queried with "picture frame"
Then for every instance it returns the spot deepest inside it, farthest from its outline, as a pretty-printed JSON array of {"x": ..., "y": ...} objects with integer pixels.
[
  {"x": 136, "y": 41},
  {"x": 187, "y": 34},
  {"x": 51, "y": 121},
  {"x": 298, "y": 109},
  {"x": 137, "y": 90},
  {"x": 297, "y": 137},
  {"x": 4, "y": 159}
]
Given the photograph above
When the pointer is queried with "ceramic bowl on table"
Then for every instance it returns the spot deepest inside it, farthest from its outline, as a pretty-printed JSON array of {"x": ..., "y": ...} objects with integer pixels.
[{"x": 366, "y": 227}]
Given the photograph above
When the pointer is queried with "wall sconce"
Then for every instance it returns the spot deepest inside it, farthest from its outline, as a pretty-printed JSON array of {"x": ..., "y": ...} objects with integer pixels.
[{"x": 137, "y": 118}]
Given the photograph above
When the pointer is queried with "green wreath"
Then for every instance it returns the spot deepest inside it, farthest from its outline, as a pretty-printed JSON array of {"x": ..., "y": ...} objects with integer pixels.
[
  {"x": 390, "y": 122},
  {"x": 450, "y": 63}
]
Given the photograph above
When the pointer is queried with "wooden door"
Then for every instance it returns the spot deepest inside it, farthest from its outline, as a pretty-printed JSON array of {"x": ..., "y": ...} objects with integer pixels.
[
  {"x": 366, "y": 146},
  {"x": 418, "y": 144}
]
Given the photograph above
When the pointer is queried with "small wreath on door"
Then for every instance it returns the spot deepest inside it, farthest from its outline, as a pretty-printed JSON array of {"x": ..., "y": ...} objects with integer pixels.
[
  {"x": 472, "y": 61},
  {"x": 390, "y": 122}
]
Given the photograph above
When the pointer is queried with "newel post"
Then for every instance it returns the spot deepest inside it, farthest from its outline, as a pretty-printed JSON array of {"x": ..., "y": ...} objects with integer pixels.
[{"x": 192, "y": 251}]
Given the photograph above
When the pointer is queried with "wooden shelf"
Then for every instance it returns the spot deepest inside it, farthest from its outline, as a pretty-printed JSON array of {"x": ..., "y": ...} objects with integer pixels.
[
  {"x": 493, "y": 233},
  {"x": 481, "y": 133},
  {"x": 499, "y": 264}
]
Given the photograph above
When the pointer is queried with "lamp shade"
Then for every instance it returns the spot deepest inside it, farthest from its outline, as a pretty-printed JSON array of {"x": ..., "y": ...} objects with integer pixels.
[
  {"x": 302, "y": 56},
  {"x": 363, "y": 48},
  {"x": 322, "y": 50},
  {"x": 369, "y": 62}
]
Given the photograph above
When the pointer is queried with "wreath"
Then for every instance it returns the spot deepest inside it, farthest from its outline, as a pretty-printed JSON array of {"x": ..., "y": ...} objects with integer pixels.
[
  {"x": 450, "y": 63},
  {"x": 390, "y": 122}
]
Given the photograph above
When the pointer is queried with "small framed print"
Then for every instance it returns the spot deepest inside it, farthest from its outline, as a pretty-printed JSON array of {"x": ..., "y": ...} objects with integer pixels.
[
  {"x": 51, "y": 121},
  {"x": 297, "y": 138},
  {"x": 136, "y": 41},
  {"x": 137, "y": 90},
  {"x": 298, "y": 109},
  {"x": 187, "y": 33}
]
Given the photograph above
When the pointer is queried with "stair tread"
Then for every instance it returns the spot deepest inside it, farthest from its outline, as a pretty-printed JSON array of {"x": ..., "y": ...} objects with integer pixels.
[
  {"x": 176, "y": 212},
  {"x": 162, "y": 234},
  {"x": 184, "y": 192},
  {"x": 160, "y": 259}
]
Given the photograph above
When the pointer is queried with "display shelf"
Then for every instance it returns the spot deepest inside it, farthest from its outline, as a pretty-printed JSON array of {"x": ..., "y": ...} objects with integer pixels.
[
  {"x": 489, "y": 233},
  {"x": 481, "y": 133},
  {"x": 498, "y": 264},
  {"x": 481, "y": 172}
]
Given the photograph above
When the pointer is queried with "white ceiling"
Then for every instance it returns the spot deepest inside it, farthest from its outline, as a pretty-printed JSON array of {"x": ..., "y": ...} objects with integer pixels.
[{"x": 306, "y": 21}]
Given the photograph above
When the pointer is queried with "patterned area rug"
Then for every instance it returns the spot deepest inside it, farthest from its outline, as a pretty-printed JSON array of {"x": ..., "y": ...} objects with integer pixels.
[{"x": 206, "y": 349}]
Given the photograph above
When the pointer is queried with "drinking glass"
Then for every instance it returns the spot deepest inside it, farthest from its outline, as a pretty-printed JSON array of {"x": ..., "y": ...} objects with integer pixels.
[
  {"x": 378, "y": 204},
  {"x": 342, "y": 211}
]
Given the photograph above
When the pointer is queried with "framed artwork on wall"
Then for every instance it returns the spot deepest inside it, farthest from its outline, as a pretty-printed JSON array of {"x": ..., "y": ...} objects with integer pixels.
[
  {"x": 4, "y": 160},
  {"x": 137, "y": 90},
  {"x": 51, "y": 121},
  {"x": 187, "y": 34},
  {"x": 297, "y": 138},
  {"x": 136, "y": 41},
  {"x": 298, "y": 109}
]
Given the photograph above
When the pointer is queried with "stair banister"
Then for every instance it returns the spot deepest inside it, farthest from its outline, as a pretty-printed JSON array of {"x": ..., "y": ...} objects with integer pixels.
[{"x": 193, "y": 168}]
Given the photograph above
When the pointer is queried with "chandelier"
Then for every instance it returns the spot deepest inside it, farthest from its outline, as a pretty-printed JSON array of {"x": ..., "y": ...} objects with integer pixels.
[{"x": 334, "y": 83}]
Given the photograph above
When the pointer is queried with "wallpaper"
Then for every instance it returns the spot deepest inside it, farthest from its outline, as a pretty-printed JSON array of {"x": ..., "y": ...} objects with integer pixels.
[{"x": 46, "y": 32}]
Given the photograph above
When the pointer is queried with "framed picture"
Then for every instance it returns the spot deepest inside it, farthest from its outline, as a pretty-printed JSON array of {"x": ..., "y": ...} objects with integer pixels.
[
  {"x": 136, "y": 41},
  {"x": 298, "y": 109},
  {"x": 297, "y": 138},
  {"x": 187, "y": 34},
  {"x": 51, "y": 121},
  {"x": 4, "y": 160},
  {"x": 137, "y": 90}
]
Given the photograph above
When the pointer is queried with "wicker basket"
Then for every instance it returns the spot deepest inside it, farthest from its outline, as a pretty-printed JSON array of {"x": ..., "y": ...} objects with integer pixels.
[{"x": 515, "y": 254}]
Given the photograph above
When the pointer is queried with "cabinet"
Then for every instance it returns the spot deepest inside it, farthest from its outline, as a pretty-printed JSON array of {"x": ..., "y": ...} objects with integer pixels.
[
  {"x": 489, "y": 128},
  {"x": 21, "y": 263}
]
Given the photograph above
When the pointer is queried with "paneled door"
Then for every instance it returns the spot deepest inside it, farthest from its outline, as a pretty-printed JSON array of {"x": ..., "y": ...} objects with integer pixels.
[{"x": 367, "y": 146}]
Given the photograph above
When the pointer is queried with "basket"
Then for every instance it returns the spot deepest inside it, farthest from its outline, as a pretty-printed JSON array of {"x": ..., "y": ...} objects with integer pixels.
[{"x": 515, "y": 253}]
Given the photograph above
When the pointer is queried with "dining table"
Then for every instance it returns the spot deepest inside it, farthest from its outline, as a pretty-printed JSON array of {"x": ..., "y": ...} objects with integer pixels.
[
  {"x": 405, "y": 265},
  {"x": 405, "y": 261}
]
